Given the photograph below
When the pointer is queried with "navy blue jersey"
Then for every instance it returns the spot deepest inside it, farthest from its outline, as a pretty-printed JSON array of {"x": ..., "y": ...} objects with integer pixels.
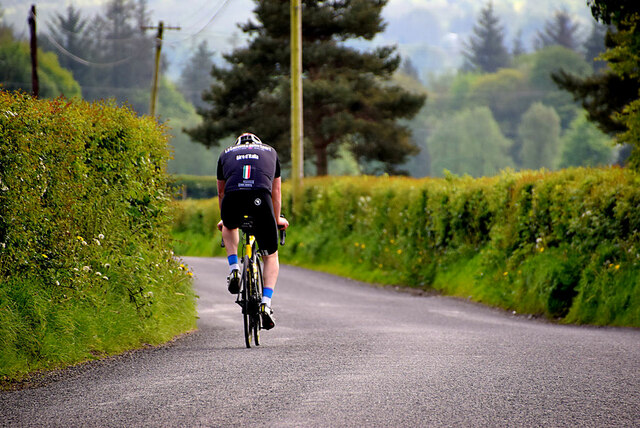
[{"x": 248, "y": 167}]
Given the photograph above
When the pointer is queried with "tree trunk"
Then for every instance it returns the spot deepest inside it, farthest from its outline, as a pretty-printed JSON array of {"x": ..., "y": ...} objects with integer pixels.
[{"x": 322, "y": 164}]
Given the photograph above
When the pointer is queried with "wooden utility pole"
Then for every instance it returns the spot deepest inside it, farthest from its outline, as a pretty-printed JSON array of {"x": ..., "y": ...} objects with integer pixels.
[
  {"x": 35, "y": 84},
  {"x": 154, "y": 87},
  {"x": 297, "y": 155}
]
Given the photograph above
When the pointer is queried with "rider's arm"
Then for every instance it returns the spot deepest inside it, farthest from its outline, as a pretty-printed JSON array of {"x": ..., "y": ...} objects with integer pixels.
[
  {"x": 276, "y": 199},
  {"x": 276, "y": 196},
  {"x": 221, "y": 184}
]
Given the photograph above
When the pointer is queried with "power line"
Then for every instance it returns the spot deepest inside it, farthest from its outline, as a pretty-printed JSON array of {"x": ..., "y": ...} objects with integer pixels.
[
  {"x": 84, "y": 61},
  {"x": 215, "y": 15}
]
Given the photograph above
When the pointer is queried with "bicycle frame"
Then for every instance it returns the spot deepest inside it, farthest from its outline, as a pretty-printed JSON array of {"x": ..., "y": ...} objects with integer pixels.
[{"x": 251, "y": 287}]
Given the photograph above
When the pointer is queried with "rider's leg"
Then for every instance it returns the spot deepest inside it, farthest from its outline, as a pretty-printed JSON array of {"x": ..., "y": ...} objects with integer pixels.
[
  {"x": 231, "y": 239},
  {"x": 271, "y": 269}
]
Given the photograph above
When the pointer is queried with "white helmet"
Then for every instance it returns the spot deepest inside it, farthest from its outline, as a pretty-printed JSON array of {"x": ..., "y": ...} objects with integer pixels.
[{"x": 248, "y": 138}]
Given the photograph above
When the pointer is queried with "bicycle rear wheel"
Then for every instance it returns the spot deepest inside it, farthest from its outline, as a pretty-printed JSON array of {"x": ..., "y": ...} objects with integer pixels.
[
  {"x": 246, "y": 302},
  {"x": 258, "y": 296}
]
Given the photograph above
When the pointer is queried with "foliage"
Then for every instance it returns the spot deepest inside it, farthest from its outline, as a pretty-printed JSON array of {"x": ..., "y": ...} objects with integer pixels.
[
  {"x": 115, "y": 55},
  {"x": 551, "y": 60},
  {"x": 583, "y": 144},
  {"x": 507, "y": 93},
  {"x": 560, "y": 31},
  {"x": 563, "y": 245},
  {"x": 15, "y": 72},
  {"x": 470, "y": 142},
  {"x": 613, "y": 98},
  {"x": 85, "y": 211},
  {"x": 485, "y": 50},
  {"x": 347, "y": 93},
  {"x": 594, "y": 47},
  {"x": 67, "y": 30},
  {"x": 603, "y": 96},
  {"x": 539, "y": 132},
  {"x": 195, "y": 77}
]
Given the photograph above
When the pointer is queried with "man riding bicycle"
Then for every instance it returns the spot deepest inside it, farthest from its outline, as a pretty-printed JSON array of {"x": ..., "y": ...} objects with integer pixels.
[{"x": 249, "y": 183}]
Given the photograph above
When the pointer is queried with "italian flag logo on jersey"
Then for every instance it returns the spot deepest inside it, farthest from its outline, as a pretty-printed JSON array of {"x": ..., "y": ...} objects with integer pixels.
[{"x": 246, "y": 172}]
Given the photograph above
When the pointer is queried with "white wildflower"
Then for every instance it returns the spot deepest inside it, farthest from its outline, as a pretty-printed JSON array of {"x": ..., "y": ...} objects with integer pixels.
[
  {"x": 101, "y": 236},
  {"x": 86, "y": 268}
]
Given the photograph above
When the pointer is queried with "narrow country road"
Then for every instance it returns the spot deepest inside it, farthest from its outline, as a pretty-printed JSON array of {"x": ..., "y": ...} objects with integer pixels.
[{"x": 349, "y": 354}]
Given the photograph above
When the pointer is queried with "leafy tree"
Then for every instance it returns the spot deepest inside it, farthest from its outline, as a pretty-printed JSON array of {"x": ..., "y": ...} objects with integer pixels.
[
  {"x": 15, "y": 73},
  {"x": 347, "y": 95},
  {"x": 554, "y": 59},
  {"x": 539, "y": 132},
  {"x": 485, "y": 50},
  {"x": 195, "y": 77},
  {"x": 584, "y": 144},
  {"x": 560, "y": 31},
  {"x": 507, "y": 93},
  {"x": 469, "y": 142}
]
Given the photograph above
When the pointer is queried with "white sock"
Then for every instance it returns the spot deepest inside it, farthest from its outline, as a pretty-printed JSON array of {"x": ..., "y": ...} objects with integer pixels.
[
  {"x": 266, "y": 300},
  {"x": 233, "y": 267}
]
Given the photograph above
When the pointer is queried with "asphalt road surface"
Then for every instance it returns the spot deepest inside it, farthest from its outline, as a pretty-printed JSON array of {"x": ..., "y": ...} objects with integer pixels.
[{"x": 349, "y": 354}]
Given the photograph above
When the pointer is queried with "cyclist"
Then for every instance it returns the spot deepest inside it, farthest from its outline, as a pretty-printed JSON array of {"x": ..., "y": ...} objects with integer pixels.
[{"x": 249, "y": 183}]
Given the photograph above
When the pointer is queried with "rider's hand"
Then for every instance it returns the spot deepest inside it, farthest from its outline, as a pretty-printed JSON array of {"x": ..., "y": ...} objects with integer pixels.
[
  {"x": 282, "y": 223},
  {"x": 220, "y": 225}
]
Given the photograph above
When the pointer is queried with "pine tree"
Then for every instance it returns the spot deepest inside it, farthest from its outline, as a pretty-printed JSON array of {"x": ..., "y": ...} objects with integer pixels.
[
  {"x": 518, "y": 47},
  {"x": 612, "y": 98},
  {"x": 119, "y": 41},
  {"x": 69, "y": 31},
  {"x": 195, "y": 77},
  {"x": 561, "y": 31},
  {"x": 485, "y": 50},
  {"x": 347, "y": 95},
  {"x": 594, "y": 46}
]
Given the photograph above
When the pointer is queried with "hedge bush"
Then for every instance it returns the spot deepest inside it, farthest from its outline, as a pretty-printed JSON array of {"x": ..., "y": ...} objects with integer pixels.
[
  {"x": 564, "y": 245},
  {"x": 86, "y": 267}
]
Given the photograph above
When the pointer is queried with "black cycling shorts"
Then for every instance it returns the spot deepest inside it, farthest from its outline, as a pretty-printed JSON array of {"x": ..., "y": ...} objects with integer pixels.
[{"x": 258, "y": 205}]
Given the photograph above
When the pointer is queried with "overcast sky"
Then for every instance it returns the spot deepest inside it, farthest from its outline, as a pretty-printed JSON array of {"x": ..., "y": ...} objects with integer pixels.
[{"x": 412, "y": 24}]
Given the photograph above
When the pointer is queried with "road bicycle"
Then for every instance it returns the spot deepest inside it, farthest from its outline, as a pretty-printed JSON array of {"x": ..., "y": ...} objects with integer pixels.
[{"x": 251, "y": 282}]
